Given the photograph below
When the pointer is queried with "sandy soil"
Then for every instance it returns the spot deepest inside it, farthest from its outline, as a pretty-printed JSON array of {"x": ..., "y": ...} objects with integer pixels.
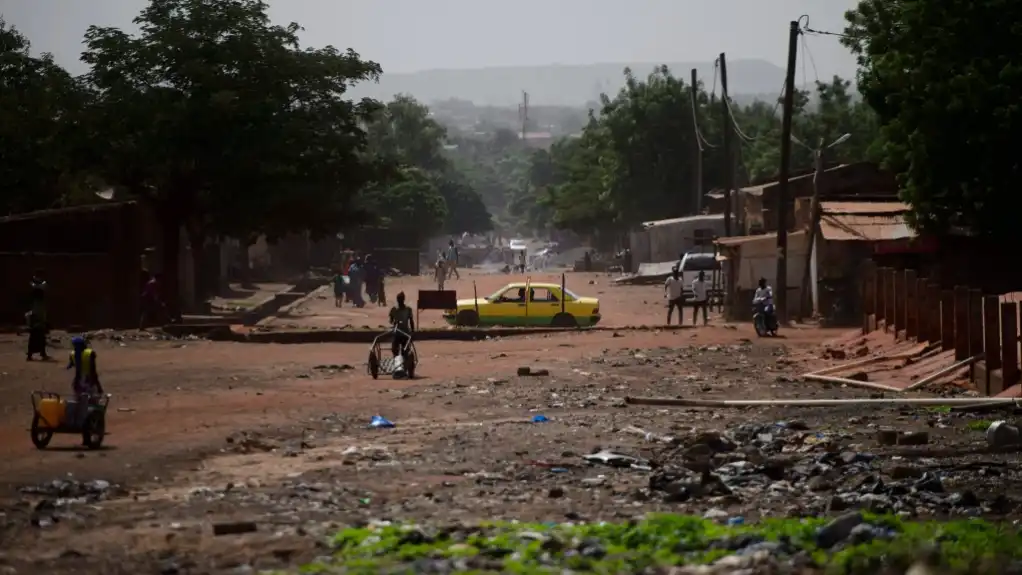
[{"x": 203, "y": 434}]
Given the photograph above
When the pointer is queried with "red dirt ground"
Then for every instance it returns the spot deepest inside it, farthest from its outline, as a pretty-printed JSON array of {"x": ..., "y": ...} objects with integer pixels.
[{"x": 175, "y": 403}]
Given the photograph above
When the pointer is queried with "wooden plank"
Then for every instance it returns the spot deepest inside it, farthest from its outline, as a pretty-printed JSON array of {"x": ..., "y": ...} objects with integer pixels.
[
  {"x": 881, "y": 294},
  {"x": 869, "y": 294},
  {"x": 961, "y": 323},
  {"x": 1009, "y": 347},
  {"x": 975, "y": 322},
  {"x": 936, "y": 318},
  {"x": 911, "y": 305},
  {"x": 889, "y": 314},
  {"x": 899, "y": 302},
  {"x": 991, "y": 337}
]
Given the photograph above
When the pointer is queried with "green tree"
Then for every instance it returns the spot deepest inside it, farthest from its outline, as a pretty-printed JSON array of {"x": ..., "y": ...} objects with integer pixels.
[
  {"x": 945, "y": 83},
  {"x": 224, "y": 124},
  {"x": 42, "y": 157},
  {"x": 403, "y": 133}
]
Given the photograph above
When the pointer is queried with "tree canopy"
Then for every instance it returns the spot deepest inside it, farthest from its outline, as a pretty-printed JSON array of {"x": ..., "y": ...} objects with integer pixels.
[
  {"x": 945, "y": 83},
  {"x": 634, "y": 160},
  {"x": 41, "y": 108},
  {"x": 426, "y": 185}
]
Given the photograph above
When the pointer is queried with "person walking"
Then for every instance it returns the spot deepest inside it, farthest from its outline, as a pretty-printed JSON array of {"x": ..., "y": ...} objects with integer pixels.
[
  {"x": 36, "y": 316},
  {"x": 452, "y": 260},
  {"x": 674, "y": 291},
  {"x": 700, "y": 298},
  {"x": 340, "y": 286},
  {"x": 440, "y": 271}
]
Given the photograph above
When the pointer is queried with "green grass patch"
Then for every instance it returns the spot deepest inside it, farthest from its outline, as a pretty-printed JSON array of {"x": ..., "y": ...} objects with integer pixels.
[
  {"x": 979, "y": 424},
  {"x": 971, "y": 546}
]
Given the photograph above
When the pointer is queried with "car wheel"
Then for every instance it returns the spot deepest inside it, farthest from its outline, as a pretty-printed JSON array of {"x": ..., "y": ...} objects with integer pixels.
[
  {"x": 564, "y": 320},
  {"x": 468, "y": 318}
]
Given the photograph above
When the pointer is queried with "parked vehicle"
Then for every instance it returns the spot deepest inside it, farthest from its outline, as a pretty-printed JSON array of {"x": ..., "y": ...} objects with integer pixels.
[
  {"x": 527, "y": 304},
  {"x": 694, "y": 262}
]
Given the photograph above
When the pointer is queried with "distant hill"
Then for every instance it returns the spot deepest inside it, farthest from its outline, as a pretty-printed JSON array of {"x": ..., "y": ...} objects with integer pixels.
[{"x": 558, "y": 85}]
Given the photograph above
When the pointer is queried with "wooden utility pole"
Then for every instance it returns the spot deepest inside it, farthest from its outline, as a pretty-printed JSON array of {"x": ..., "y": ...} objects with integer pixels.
[
  {"x": 728, "y": 165},
  {"x": 782, "y": 179},
  {"x": 524, "y": 110},
  {"x": 807, "y": 303},
  {"x": 697, "y": 159}
]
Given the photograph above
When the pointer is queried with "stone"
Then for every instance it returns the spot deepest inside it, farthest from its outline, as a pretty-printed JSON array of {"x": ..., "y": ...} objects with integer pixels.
[
  {"x": 1002, "y": 434},
  {"x": 234, "y": 528},
  {"x": 838, "y": 530},
  {"x": 887, "y": 437},
  {"x": 914, "y": 438},
  {"x": 715, "y": 514}
]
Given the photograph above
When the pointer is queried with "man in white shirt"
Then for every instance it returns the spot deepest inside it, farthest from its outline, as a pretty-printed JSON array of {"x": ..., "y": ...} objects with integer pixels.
[
  {"x": 674, "y": 291},
  {"x": 763, "y": 294},
  {"x": 700, "y": 298}
]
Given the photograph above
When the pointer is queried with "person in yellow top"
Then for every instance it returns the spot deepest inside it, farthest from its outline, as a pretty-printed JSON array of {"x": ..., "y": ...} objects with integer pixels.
[{"x": 86, "y": 382}]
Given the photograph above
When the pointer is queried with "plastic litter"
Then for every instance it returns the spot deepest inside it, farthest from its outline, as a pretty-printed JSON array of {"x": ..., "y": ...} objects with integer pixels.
[
  {"x": 612, "y": 459},
  {"x": 539, "y": 419},
  {"x": 378, "y": 421}
]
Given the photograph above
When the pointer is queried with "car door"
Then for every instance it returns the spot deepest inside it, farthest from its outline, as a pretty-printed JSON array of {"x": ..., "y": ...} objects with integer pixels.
[
  {"x": 505, "y": 309},
  {"x": 544, "y": 304}
]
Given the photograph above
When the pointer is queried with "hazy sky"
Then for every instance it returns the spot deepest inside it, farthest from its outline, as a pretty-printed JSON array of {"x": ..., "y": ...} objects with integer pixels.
[{"x": 413, "y": 35}]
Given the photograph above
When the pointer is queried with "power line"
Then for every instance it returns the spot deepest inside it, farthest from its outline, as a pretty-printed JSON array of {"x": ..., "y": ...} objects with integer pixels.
[
  {"x": 812, "y": 61},
  {"x": 809, "y": 30}
]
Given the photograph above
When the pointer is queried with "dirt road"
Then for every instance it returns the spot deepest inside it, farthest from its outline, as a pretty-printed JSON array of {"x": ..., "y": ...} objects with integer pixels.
[
  {"x": 619, "y": 305},
  {"x": 211, "y": 436}
]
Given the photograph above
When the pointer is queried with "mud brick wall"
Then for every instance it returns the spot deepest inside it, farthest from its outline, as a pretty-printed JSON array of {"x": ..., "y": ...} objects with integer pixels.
[{"x": 90, "y": 257}]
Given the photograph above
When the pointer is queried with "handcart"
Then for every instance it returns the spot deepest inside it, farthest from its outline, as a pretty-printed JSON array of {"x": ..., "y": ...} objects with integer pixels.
[
  {"x": 382, "y": 361},
  {"x": 52, "y": 414}
]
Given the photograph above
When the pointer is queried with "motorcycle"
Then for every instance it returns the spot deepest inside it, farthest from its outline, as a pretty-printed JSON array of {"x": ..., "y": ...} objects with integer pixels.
[{"x": 764, "y": 319}]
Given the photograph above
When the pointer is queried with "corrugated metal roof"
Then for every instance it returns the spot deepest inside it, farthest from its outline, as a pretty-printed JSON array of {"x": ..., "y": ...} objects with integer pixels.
[
  {"x": 742, "y": 240},
  {"x": 863, "y": 208},
  {"x": 699, "y": 218},
  {"x": 837, "y": 227}
]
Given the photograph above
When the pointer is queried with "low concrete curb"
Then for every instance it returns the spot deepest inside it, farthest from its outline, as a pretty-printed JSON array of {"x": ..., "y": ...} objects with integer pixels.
[
  {"x": 366, "y": 336},
  {"x": 289, "y": 308}
]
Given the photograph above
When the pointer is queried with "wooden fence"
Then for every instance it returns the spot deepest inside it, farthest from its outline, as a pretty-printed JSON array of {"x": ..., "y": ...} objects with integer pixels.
[{"x": 961, "y": 319}]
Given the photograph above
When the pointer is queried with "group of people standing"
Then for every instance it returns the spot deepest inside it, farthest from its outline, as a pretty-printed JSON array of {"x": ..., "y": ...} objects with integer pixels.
[
  {"x": 674, "y": 291},
  {"x": 360, "y": 275}
]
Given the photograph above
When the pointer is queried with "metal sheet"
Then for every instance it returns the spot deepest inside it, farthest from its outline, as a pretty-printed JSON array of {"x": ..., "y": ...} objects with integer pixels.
[{"x": 864, "y": 228}]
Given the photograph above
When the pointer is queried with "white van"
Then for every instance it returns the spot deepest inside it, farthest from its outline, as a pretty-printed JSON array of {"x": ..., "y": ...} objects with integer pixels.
[{"x": 694, "y": 262}]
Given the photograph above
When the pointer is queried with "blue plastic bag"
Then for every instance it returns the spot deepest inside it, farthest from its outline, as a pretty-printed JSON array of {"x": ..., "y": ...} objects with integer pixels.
[
  {"x": 540, "y": 419},
  {"x": 378, "y": 421}
]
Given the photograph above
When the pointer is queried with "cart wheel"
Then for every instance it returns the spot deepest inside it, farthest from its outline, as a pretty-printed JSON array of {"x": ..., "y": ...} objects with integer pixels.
[
  {"x": 374, "y": 365},
  {"x": 40, "y": 436},
  {"x": 94, "y": 431},
  {"x": 413, "y": 358}
]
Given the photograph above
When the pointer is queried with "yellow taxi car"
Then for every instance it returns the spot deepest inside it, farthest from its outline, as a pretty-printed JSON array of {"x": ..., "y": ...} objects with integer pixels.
[{"x": 527, "y": 304}]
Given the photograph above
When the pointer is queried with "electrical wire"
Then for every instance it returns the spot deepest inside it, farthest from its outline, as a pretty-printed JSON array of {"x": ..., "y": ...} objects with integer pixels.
[
  {"x": 812, "y": 61},
  {"x": 808, "y": 30}
]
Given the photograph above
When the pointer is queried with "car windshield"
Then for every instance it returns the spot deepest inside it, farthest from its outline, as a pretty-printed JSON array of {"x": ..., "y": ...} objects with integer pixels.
[
  {"x": 570, "y": 295},
  {"x": 705, "y": 263}
]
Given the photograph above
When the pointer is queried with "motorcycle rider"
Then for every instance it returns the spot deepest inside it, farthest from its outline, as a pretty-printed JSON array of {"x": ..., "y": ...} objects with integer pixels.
[
  {"x": 764, "y": 294},
  {"x": 763, "y": 302}
]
